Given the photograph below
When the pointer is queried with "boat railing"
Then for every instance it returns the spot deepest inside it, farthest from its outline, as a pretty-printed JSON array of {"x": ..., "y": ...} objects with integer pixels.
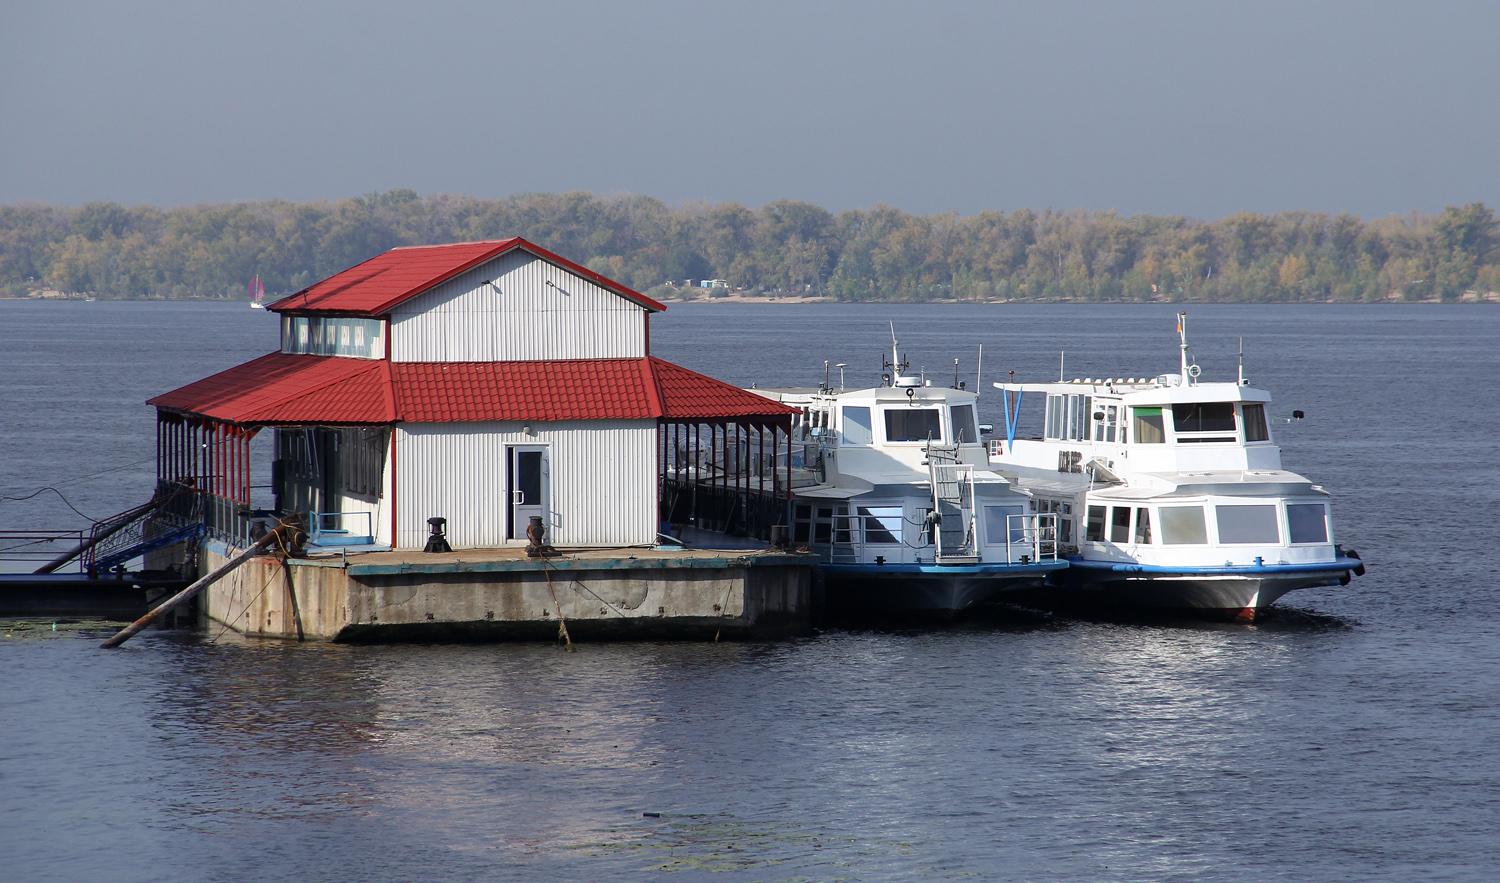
[{"x": 1031, "y": 538}]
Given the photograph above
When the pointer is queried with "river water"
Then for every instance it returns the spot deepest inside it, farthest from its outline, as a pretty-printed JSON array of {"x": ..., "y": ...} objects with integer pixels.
[{"x": 1351, "y": 736}]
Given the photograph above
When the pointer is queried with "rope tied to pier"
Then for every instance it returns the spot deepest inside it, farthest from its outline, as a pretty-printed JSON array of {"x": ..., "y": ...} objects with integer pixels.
[{"x": 562, "y": 623}]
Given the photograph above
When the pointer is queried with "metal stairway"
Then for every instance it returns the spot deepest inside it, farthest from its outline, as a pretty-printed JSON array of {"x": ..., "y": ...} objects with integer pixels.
[{"x": 952, "y": 506}]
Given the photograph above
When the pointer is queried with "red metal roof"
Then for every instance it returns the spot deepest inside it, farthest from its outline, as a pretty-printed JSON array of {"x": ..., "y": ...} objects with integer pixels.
[
  {"x": 298, "y": 389},
  {"x": 376, "y": 286},
  {"x": 281, "y": 388}
]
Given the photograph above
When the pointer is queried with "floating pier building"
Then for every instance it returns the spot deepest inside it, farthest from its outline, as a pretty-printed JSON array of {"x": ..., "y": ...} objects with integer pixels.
[{"x": 480, "y": 391}]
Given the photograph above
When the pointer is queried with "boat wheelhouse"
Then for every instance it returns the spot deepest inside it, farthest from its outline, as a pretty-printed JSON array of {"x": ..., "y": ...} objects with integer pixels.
[
  {"x": 1169, "y": 493},
  {"x": 892, "y": 488}
]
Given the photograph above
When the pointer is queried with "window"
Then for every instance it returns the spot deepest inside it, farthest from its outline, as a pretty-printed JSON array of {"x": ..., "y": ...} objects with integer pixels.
[
  {"x": 333, "y": 336},
  {"x": 965, "y": 427},
  {"x": 1183, "y": 526},
  {"x": 1111, "y": 414},
  {"x": 1204, "y": 417},
  {"x": 1119, "y": 524},
  {"x": 1094, "y": 527},
  {"x": 1255, "y": 423},
  {"x": 1143, "y": 526},
  {"x": 998, "y": 525},
  {"x": 1239, "y": 525},
  {"x": 882, "y": 524},
  {"x": 912, "y": 425},
  {"x": 1307, "y": 522},
  {"x": 857, "y": 426},
  {"x": 1148, "y": 426}
]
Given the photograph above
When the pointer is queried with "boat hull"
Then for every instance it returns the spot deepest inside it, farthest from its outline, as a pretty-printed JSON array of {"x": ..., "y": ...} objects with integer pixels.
[
  {"x": 1239, "y": 594},
  {"x": 869, "y": 591}
]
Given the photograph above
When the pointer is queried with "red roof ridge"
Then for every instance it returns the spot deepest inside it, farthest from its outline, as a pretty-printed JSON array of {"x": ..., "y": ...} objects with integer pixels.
[{"x": 325, "y": 296}]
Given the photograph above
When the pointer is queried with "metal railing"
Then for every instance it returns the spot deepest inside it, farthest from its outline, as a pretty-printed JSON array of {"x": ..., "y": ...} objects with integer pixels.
[{"x": 22, "y": 550}]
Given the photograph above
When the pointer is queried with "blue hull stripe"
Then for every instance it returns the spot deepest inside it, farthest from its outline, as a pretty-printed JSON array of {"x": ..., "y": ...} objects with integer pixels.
[
  {"x": 948, "y": 570},
  {"x": 1340, "y": 563}
]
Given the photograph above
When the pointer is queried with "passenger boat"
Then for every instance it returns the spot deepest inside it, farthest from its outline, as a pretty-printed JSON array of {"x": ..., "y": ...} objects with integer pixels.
[
  {"x": 1169, "y": 494},
  {"x": 892, "y": 489}
]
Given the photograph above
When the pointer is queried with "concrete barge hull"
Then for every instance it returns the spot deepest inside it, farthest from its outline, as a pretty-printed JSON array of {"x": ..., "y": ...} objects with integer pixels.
[{"x": 415, "y": 598}]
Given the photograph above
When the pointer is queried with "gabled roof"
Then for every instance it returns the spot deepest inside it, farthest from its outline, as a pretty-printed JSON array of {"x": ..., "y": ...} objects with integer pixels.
[
  {"x": 378, "y": 285},
  {"x": 283, "y": 389}
]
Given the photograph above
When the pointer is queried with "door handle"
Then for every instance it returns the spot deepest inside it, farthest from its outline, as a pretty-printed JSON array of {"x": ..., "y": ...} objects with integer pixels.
[{"x": 518, "y": 497}]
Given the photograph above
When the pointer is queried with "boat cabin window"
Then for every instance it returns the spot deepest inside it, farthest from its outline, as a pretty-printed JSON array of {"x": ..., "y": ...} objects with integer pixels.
[
  {"x": 1255, "y": 423},
  {"x": 1093, "y": 529},
  {"x": 912, "y": 425},
  {"x": 1119, "y": 524},
  {"x": 1191, "y": 421},
  {"x": 856, "y": 422},
  {"x": 1183, "y": 526},
  {"x": 1143, "y": 526},
  {"x": 1068, "y": 417},
  {"x": 333, "y": 336},
  {"x": 1104, "y": 423},
  {"x": 1148, "y": 426},
  {"x": 1245, "y": 525},
  {"x": 965, "y": 427},
  {"x": 882, "y": 524},
  {"x": 1307, "y": 522},
  {"x": 998, "y": 525},
  {"x": 1064, "y": 516}
]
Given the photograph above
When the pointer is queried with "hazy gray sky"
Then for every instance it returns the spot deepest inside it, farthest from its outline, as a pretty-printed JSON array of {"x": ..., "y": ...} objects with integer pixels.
[{"x": 1192, "y": 108}]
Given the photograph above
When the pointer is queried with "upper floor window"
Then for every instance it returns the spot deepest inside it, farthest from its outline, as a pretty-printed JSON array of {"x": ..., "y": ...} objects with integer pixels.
[
  {"x": 333, "y": 336},
  {"x": 1068, "y": 417}
]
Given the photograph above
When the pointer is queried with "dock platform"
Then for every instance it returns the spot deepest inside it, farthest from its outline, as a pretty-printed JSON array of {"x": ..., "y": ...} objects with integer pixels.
[{"x": 500, "y": 594}]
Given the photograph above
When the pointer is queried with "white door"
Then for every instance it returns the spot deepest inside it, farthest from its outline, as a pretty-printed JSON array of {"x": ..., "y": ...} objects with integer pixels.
[{"x": 526, "y": 478}]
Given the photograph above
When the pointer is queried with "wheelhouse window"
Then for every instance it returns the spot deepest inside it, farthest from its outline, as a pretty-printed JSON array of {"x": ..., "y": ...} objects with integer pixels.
[
  {"x": 912, "y": 424},
  {"x": 1307, "y": 522},
  {"x": 857, "y": 429},
  {"x": 1119, "y": 524},
  {"x": 1183, "y": 526},
  {"x": 1147, "y": 426},
  {"x": 1193, "y": 422},
  {"x": 1255, "y": 423},
  {"x": 1247, "y": 525},
  {"x": 965, "y": 427}
]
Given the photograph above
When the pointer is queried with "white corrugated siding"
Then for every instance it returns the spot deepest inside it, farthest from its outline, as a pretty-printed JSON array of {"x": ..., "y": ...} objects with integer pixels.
[
  {"x": 520, "y": 317},
  {"x": 601, "y": 477}
]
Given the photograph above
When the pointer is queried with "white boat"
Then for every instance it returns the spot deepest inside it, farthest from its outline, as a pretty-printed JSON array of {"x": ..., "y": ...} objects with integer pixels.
[
  {"x": 257, "y": 294},
  {"x": 1170, "y": 495},
  {"x": 892, "y": 489}
]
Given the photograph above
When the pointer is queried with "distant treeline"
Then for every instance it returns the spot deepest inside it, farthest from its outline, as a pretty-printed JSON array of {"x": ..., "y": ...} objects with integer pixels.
[{"x": 881, "y": 253}]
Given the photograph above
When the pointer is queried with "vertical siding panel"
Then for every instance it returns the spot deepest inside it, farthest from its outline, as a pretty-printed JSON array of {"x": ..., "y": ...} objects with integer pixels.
[
  {"x": 602, "y": 482},
  {"x": 519, "y": 317}
]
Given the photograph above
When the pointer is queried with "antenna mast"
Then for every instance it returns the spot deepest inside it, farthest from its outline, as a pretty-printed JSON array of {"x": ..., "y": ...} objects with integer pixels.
[{"x": 1182, "y": 334}]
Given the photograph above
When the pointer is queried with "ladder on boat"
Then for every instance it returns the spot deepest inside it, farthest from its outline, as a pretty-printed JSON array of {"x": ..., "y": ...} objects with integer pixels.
[{"x": 952, "y": 506}]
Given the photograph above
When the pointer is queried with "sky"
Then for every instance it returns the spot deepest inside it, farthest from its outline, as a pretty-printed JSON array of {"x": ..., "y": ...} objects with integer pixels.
[{"x": 1200, "y": 109}]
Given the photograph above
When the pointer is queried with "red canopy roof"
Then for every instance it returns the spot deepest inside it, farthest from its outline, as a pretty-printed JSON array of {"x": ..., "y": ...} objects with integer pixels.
[
  {"x": 283, "y": 389},
  {"x": 376, "y": 286}
]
